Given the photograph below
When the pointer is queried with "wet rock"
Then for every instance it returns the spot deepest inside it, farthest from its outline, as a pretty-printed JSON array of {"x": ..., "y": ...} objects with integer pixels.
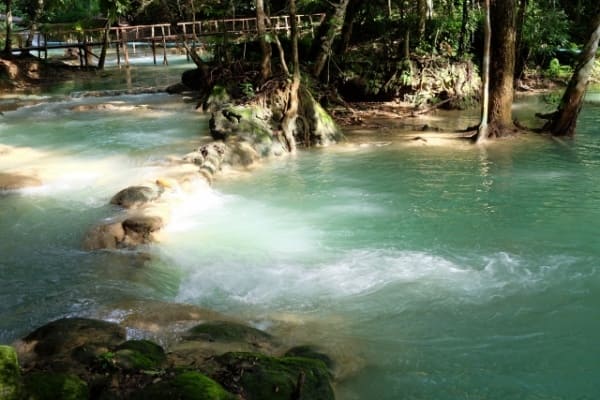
[
  {"x": 135, "y": 196},
  {"x": 312, "y": 352},
  {"x": 10, "y": 377},
  {"x": 61, "y": 337},
  {"x": 109, "y": 236},
  {"x": 10, "y": 181},
  {"x": 139, "y": 355},
  {"x": 255, "y": 376},
  {"x": 52, "y": 386},
  {"x": 139, "y": 229},
  {"x": 189, "y": 385},
  {"x": 227, "y": 331}
]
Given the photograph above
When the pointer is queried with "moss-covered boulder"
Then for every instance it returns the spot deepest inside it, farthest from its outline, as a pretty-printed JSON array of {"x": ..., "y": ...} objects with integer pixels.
[
  {"x": 53, "y": 386},
  {"x": 62, "y": 336},
  {"x": 308, "y": 351},
  {"x": 259, "y": 377},
  {"x": 139, "y": 355},
  {"x": 188, "y": 385},
  {"x": 226, "y": 331},
  {"x": 10, "y": 377}
]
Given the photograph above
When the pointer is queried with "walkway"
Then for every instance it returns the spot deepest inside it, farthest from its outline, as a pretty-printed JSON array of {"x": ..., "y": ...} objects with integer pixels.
[{"x": 82, "y": 43}]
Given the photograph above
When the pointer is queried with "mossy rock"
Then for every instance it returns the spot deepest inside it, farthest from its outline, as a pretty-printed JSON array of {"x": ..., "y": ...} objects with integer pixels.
[
  {"x": 188, "y": 385},
  {"x": 308, "y": 351},
  {"x": 53, "y": 386},
  {"x": 259, "y": 377},
  {"x": 139, "y": 354},
  {"x": 10, "y": 377},
  {"x": 64, "y": 335},
  {"x": 226, "y": 331}
]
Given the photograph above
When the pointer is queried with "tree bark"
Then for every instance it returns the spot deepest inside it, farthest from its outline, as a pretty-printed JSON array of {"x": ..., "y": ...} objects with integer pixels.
[
  {"x": 347, "y": 28},
  {"x": 487, "y": 32},
  {"x": 265, "y": 46},
  {"x": 520, "y": 50},
  {"x": 334, "y": 26},
  {"x": 564, "y": 120},
  {"x": 502, "y": 65},
  {"x": 288, "y": 125}
]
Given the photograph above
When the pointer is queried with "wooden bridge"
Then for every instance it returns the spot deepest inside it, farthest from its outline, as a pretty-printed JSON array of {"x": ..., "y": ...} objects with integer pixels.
[{"x": 83, "y": 43}]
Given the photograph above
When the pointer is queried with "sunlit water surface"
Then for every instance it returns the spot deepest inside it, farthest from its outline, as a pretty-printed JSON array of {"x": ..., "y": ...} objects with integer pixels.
[{"x": 440, "y": 270}]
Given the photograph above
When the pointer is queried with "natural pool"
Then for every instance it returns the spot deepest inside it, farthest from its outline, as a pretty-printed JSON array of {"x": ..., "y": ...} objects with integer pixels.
[{"x": 439, "y": 271}]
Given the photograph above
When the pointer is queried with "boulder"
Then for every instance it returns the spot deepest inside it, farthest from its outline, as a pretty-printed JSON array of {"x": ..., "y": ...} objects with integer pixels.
[
  {"x": 14, "y": 181},
  {"x": 135, "y": 196},
  {"x": 255, "y": 376},
  {"x": 227, "y": 331},
  {"x": 109, "y": 236},
  {"x": 139, "y": 355},
  {"x": 52, "y": 386},
  {"x": 59, "y": 338},
  {"x": 308, "y": 351},
  {"x": 10, "y": 377},
  {"x": 139, "y": 229},
  {"x": 188, "y": 385}
]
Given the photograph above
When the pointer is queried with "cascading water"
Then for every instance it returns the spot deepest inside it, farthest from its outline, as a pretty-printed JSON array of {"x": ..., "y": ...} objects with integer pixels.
[{"x": 433, "y": 271}]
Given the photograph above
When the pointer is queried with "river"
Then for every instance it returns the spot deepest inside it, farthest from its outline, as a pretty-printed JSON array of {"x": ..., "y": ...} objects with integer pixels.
[{"x": 435, "y": 270}]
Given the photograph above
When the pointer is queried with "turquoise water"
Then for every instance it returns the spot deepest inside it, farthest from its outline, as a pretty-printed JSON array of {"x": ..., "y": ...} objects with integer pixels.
[{"x": 432, "y": 271}]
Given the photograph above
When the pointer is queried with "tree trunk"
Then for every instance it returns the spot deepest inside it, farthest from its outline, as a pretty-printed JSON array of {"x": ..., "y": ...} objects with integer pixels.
[
  {"x": 462, "y": 45},
  {"x": 334, "y": 26},
  {"x": 9, "y": 22},
  {"x": 351, "y": 13},
  {"x": 502, "y": 65},
  {"x": 422, "y": 19},
  {"x": 265, "y": 46},
  {"x": 564, "y": 120},
  {"x": 288, "y": 124},
  {"x": 520, "y": 51},
  {"x": 105, "y": 42},
  {"x": 485, "y": 75}
]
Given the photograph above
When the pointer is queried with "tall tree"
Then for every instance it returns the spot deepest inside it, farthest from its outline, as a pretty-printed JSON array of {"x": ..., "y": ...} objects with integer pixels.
[
  {"x": 265, "y": 46},
  {"x": 564, "y": 120},
  {"x": 487, "y": 35},
  {"x": 334, "y": 24},
  {"x": 502, "y": 65}
]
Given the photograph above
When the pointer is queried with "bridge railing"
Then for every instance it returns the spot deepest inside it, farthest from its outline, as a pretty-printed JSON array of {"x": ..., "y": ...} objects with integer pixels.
[{"x": 246, "y": 25}]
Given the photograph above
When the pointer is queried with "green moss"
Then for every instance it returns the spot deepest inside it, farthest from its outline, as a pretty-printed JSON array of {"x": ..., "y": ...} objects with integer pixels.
[
  {"x": 139, "y": 354},
  {"x": 188, "y": 385},
  {"x": 225, "y": 331},
  {"x": 312, "y": 352},
  {"x": 270, "y": 378},
  {"x": 9, "y": 374},
  {"x": 52, "y": 386}
]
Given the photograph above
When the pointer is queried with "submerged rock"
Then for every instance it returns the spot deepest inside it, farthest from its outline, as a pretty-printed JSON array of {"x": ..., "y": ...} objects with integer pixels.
[
  {"x": 256, "y": 377},
  {"x": 10, "y": 377},
  {"x": 14, "y": 181}
]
